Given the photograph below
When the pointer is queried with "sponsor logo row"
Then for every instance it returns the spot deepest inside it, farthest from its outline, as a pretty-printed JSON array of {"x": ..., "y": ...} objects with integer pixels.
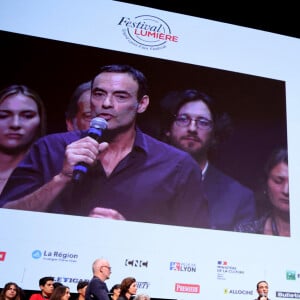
[{"x": 222, "y": 268}]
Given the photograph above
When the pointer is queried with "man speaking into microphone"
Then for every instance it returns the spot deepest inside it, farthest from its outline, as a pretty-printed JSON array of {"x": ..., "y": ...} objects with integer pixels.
[
  {"x": 262, "y": 289},
  {"x": 125, "y": 174},
  {"x": 96, "y": 128}
]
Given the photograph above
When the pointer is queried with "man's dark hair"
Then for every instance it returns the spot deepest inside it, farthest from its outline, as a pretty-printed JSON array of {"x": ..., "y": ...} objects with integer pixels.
[
  {"x": 115, "y": 286},
  {"x": 44, "y": 280},
  {"x": 81, "y": 284},
  {"x": 257, "y": 285},
  {"x": 57, "y": 284},
  {"x": 137, "y": 75}
]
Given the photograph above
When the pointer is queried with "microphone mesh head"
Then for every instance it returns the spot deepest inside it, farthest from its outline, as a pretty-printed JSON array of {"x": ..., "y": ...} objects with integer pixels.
[{"x": 98, "y": 123}]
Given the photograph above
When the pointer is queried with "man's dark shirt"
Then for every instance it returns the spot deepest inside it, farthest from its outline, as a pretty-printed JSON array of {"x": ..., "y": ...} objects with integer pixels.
[
  {"x": 154, "y": 183},
  {"x": 96, "y": 290},
  {"x": 229, "y": 202}
]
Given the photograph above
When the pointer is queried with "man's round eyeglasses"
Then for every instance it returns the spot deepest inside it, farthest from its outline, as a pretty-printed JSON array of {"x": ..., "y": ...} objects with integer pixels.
[
  {"x": 201, "y": 122},
  {"x": 109, "y": 268}
]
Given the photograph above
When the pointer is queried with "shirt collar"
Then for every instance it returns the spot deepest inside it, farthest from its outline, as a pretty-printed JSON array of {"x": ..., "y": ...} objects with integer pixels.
[{"x": 204, "y": 170}]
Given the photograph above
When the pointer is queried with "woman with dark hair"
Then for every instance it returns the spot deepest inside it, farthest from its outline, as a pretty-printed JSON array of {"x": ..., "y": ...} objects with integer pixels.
[
  {"x": 115, "y": 291},
  {"x": 11, "y": 291},
  {"x": 61, "y": 293},
  {"x": 22, "y": 121},
  {"x": 276, "y": 221},
  {"x": 128, "y": 288}
]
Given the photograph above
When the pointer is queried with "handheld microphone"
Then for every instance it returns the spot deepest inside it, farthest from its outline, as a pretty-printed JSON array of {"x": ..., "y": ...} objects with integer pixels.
[{"x": 97, "y": 126}]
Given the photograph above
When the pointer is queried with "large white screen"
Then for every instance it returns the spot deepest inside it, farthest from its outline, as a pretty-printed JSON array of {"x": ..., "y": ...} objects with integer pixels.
[{"x": 223, "y": 265}]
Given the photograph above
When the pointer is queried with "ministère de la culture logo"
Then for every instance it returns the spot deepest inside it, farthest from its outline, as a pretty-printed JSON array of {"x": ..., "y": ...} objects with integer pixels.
[
  {"x": 147, "y": 32},
  {"x": 224, "y": 270}
]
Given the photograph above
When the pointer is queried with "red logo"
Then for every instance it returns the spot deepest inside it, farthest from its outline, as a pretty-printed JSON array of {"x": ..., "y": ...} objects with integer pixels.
[
  {"x": 2, "y": 256},
  {"x": 187, "y": 288}
]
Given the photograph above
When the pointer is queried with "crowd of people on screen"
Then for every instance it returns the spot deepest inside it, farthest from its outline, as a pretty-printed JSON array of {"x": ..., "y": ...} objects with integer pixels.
[
  {"x": 193, "y": 126},
  {"x": 179, "y": 162}
]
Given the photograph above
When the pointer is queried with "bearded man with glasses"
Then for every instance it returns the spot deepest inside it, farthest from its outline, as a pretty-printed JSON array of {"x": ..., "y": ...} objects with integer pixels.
[{"x": 192, "y": 122}]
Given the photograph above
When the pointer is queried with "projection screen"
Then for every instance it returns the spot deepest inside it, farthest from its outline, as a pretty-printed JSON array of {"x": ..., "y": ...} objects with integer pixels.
[{"x": 53, "y": 46}]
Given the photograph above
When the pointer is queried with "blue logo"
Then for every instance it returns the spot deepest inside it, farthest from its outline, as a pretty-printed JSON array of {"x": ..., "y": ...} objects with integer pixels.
[{"x": 36, "y": 254}]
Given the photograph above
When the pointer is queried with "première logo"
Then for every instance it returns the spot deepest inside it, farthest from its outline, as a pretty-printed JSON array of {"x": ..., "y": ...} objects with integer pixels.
[
  {"x": 2, "y": 255},
  {"x": 147, "y": 32},
  {"x": 187, "y": 288}
]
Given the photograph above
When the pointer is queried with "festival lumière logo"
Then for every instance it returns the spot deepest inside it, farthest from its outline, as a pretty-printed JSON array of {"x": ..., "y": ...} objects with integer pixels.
[{"x": 147, "y": 32}]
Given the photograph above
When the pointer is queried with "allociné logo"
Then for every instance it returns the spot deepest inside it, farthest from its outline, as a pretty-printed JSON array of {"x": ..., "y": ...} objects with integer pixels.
[{"x": 147, "y": 32}]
